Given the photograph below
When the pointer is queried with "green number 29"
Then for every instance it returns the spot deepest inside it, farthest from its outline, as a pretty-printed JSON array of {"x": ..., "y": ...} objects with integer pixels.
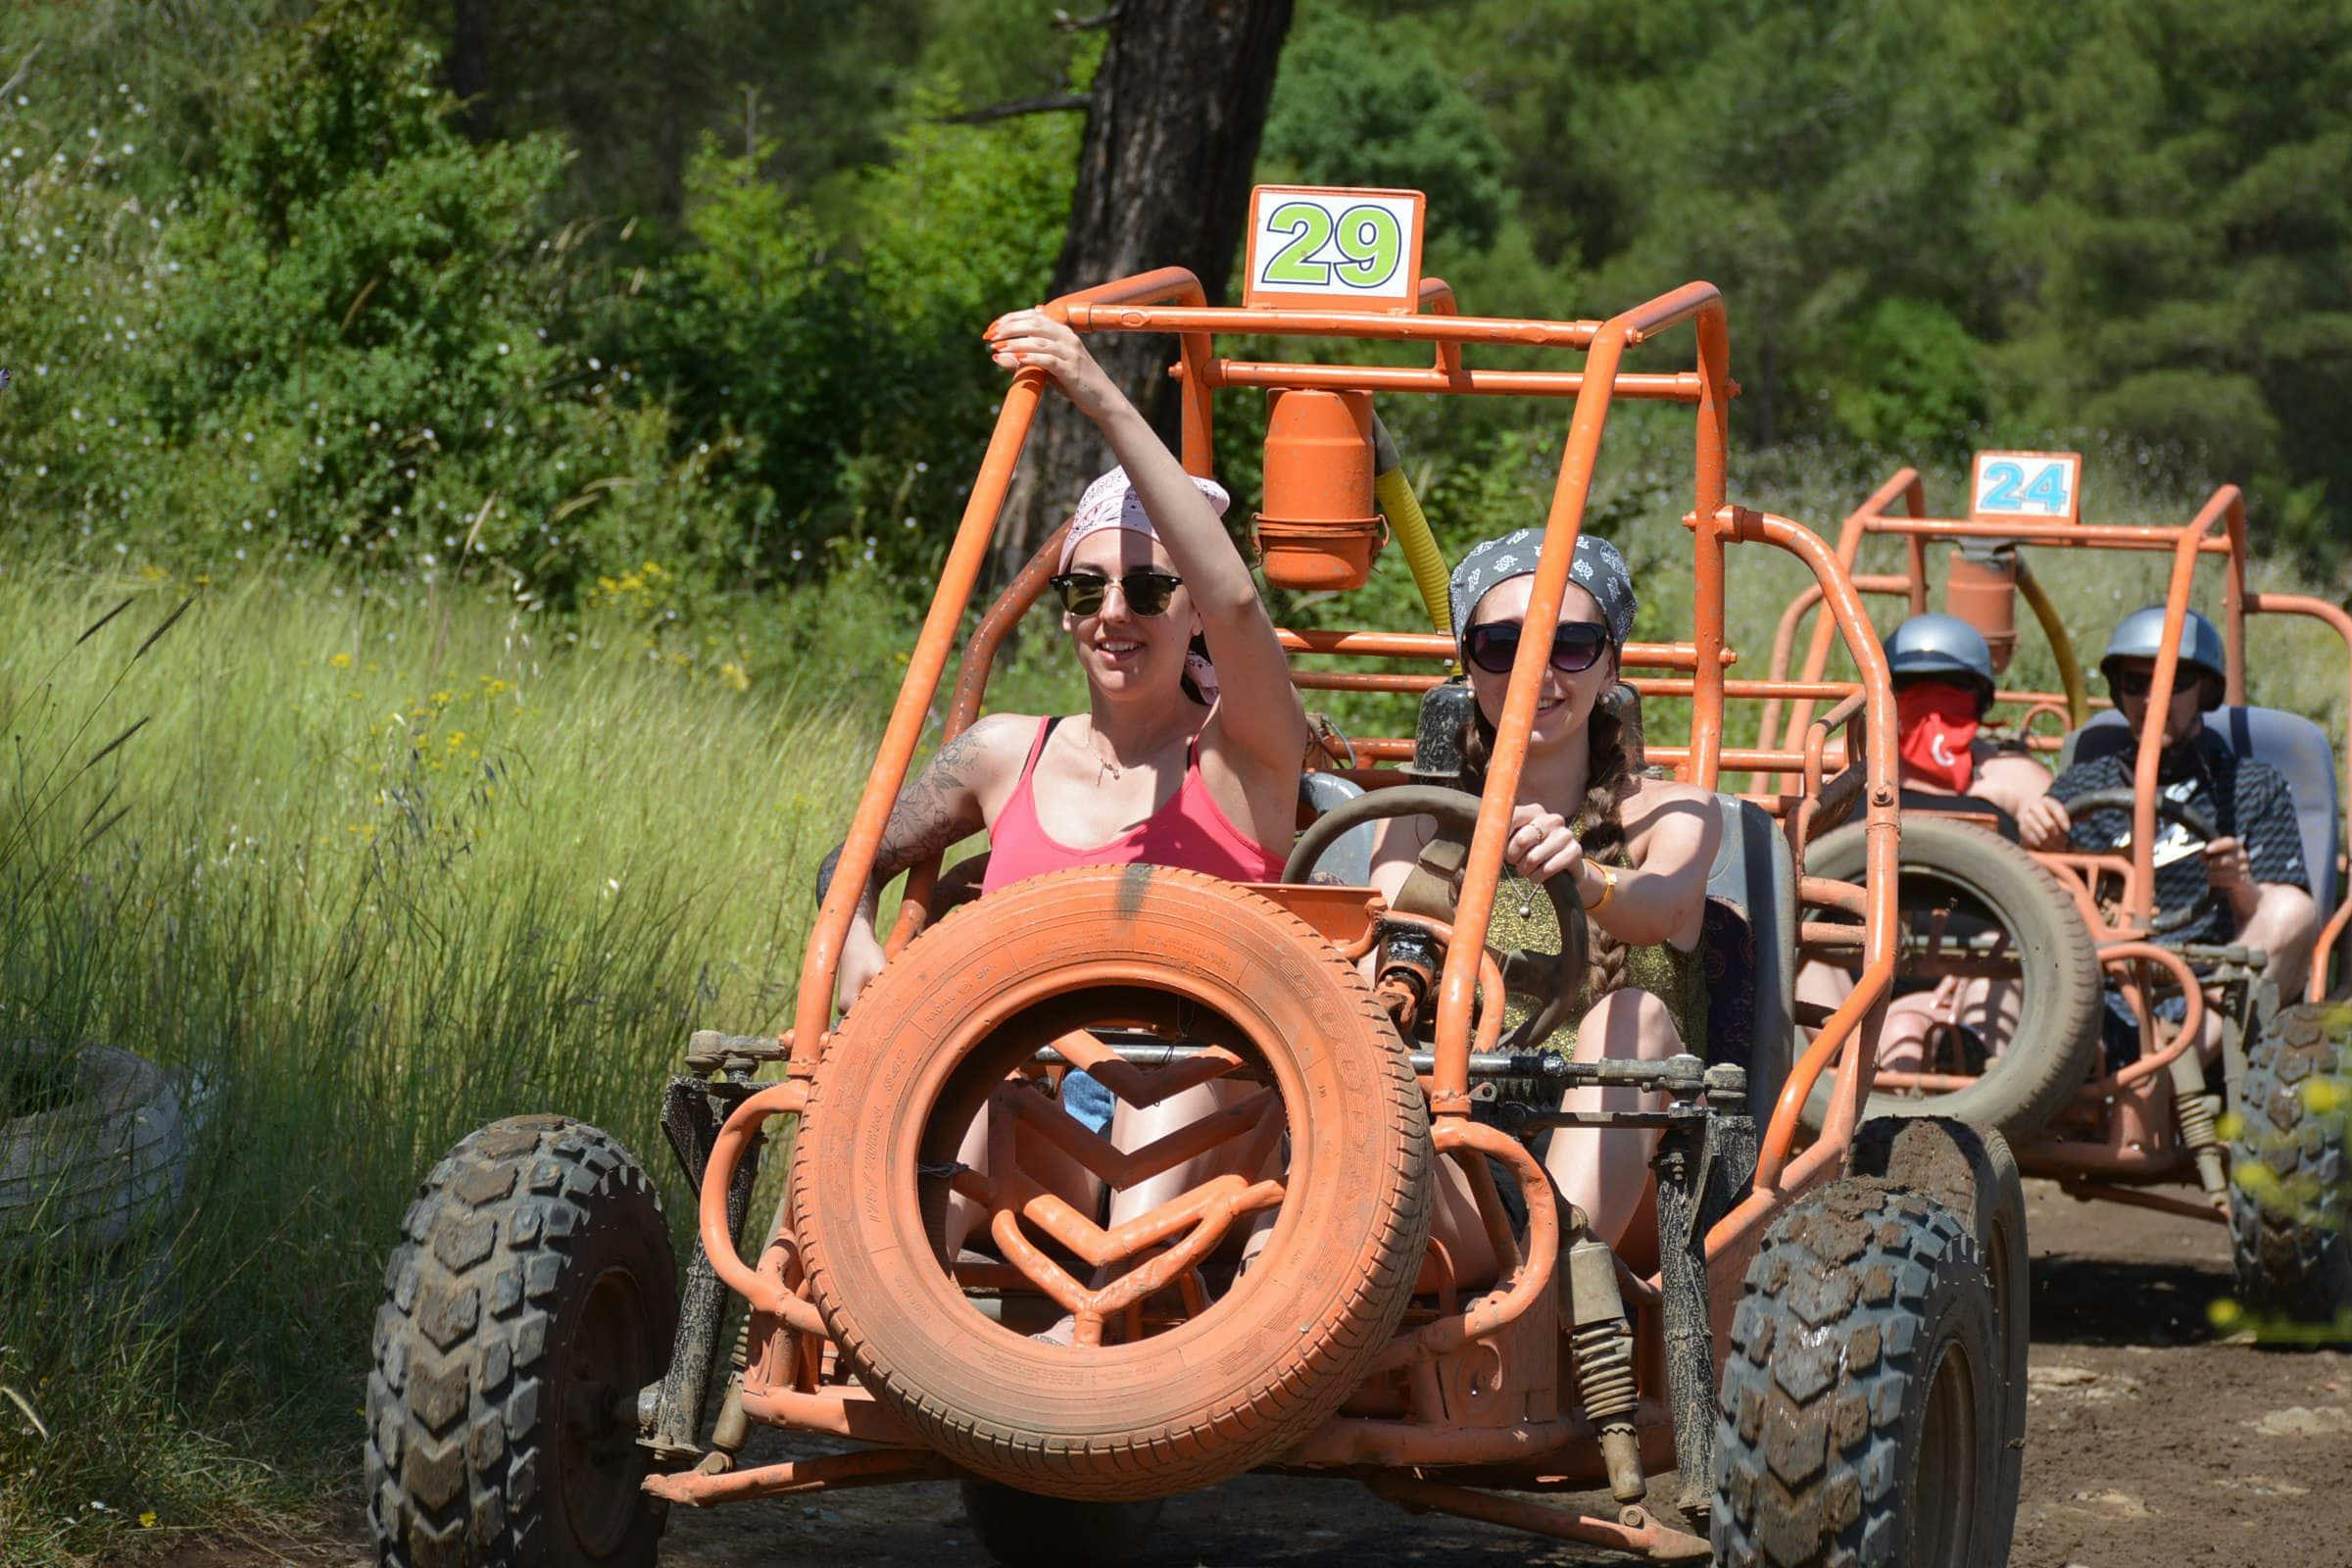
[{"x": 1369, "y": 239}]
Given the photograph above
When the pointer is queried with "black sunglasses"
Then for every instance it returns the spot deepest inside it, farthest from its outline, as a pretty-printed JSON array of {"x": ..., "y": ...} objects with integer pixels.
[
  {"x": 2123, "y": 684},
  {"x": 1576, "y": 645},
  {"x": 1147, "y": 591}
]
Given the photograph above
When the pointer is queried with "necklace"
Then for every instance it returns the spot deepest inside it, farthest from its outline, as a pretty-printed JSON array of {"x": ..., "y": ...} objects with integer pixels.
[{"x": 1108, "y": 769}]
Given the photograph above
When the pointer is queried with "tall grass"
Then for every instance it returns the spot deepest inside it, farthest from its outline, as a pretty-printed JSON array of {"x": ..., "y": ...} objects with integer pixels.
[{"x": 387, "y": 871}]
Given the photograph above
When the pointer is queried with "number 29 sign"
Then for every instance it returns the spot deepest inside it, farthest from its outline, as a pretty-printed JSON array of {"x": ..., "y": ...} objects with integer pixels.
[
  {"x": 1349, "y": 250},
  {"x": 2046, "y": 486}
]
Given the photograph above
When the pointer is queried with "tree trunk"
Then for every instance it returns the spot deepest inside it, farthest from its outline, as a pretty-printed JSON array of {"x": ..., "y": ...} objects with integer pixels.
[
  {"x": 471, "y": 25},
  {"x": 1163, "y": 179}
]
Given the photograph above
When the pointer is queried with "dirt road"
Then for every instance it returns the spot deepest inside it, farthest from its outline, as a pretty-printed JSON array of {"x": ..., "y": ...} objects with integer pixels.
[{"x": 2150, "y": 1445}]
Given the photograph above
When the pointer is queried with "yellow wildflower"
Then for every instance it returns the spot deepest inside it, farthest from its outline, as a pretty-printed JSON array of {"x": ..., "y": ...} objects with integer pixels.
[
  {"x": 341, "y": 661},
  {"x": 735, "y": 675}
]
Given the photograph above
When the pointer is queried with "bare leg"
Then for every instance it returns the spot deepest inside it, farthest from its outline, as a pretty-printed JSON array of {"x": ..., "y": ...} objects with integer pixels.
[
  {"x": 1822, "y": 984},
  {"x": 1904, "y": 1040},
  {"x": 1068, "y": 1179},
  {"x": 1133, "y": 1127},
  {"x": 1604, "y": 1171}
]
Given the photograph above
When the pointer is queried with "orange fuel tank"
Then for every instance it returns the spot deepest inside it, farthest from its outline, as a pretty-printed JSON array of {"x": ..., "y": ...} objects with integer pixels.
[
  {"x": 1981, "y": 588},
  {"x": 1320, "y": 528}
]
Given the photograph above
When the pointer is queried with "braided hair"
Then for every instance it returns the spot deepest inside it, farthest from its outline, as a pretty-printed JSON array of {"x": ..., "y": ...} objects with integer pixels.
[{"x": 1615, "y": 733}]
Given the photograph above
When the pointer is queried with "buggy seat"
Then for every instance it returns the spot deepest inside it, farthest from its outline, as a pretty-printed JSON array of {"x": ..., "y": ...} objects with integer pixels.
[{"x": 1749, "y": 948}]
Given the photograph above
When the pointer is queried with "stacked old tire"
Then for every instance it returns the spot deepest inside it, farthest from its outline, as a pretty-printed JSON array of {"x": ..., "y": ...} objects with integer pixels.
[{"x": 100, "y": 1149}]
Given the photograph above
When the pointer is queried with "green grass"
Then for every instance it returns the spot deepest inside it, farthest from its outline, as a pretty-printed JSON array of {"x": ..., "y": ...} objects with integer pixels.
[{"x": 388, "y": 871}]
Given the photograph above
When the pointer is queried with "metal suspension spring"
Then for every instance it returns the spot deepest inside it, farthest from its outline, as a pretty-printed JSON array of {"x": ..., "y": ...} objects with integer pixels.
[
  {"x": 1604, "y": 1370},
  {"x": 2197, "y": 1127}
]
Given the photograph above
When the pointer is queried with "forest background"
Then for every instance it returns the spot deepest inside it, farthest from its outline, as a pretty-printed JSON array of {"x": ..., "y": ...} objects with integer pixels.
[{"x": 555, "y": 416}]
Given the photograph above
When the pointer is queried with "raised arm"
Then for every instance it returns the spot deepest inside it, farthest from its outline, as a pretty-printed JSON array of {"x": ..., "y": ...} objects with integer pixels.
[{"x": 1268, "y": 725}]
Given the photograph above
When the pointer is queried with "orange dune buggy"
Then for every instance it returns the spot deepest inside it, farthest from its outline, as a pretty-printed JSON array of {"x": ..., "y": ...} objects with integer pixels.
[
  {"x": 1824, "y": 1338},
  {"x": 2102, "y": 1131}
]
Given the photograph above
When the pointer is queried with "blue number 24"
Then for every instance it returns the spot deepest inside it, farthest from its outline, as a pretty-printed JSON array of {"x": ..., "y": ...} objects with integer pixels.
[{"x": 2048, "y": 492}]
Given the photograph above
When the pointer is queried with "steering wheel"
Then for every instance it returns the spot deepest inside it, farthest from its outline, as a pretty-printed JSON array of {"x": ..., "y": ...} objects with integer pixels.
[
  {"x": 1551, "y": 982},
  {"x": 2165, "y": 921}
]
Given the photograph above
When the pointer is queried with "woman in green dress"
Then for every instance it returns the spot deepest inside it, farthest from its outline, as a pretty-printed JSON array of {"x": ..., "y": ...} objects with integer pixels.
[{"x": 1639, "y": 849}]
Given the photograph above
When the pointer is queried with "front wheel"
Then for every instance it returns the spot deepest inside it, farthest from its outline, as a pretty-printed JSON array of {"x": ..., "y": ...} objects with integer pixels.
[
  {"x": 2288, "y": 1167},
  {"x": 1861, "y": 1420},
  {"x": 531, "y": 1299},
  {"x": 1026, "y": 1530}
]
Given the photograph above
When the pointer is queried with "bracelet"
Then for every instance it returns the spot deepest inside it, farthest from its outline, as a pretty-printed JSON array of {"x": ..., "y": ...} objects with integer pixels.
[{"x": 1608, "y": 891}]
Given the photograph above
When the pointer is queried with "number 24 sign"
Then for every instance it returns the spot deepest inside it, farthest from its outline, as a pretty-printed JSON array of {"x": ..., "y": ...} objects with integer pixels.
[
  {"x": 2043, "y": 485},
  {"x": 1351, "y": 250}
]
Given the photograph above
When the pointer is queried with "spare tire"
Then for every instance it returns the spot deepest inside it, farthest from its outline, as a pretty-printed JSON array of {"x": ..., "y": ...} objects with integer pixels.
[
  {"x": 1234, "y": 1384},
  {"x": 1975, "y": 872},
  {"x": 104, "y": 1150}
]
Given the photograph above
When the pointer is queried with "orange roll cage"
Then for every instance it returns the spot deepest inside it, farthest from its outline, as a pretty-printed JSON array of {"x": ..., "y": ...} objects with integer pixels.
[
  {"x": 2219, "y": 528},
  {"x": 1171, "y": 300}
]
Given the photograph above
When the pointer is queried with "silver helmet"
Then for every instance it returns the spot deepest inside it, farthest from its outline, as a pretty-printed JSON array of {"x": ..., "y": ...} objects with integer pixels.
[
  {"x": 1941, "y": 645},
  {"x": 2140, "y": 635}
]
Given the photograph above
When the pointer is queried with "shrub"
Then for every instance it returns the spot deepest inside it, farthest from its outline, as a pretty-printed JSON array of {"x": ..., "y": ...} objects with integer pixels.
[{"x": 356, "y": 337}]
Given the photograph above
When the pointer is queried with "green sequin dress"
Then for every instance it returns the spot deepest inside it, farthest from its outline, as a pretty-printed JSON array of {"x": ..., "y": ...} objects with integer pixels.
[{"x": 1664, "y": 970}]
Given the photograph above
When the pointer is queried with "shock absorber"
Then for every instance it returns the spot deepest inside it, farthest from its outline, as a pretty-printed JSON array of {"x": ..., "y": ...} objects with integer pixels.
[
  {"x": 2195, "y": 1109},
  {"x": 1602, "y": 1345}
]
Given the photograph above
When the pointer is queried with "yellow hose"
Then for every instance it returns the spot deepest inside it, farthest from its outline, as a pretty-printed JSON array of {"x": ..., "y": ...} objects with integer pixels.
[
  {"x": 1394, "y": 493},
  {"x": 2062, "y": 647}
]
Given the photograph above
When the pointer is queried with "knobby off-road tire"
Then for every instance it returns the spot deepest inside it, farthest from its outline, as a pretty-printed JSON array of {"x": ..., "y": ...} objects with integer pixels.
[
  {"x": 1023, "y": 1530},
  {"x": 534, "y": 1297},
  {"x": 2287, "y": 1200},
  {"x": 1973, "y": 1173},
  {"x": 1860, "y": 1423},
  {"x": 2057, "y": 1036},
  {"x": 947, "y": 1020}
]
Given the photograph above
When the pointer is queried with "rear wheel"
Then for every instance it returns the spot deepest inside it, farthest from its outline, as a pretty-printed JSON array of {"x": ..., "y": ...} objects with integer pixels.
[
  {"x": 534, "y": 1297},
  {"x": 2287, "y": 1199},
  {"x": 1990, "y": 907},
  {"x": 1861, "y": 1421},
  {"x": 1023, "y": 1530}
]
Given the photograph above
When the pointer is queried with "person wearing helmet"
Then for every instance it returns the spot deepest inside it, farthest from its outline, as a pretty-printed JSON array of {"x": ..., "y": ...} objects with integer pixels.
[
  {"x": 2253, "y": 865},
  {"x": 1943, "y": 686}
]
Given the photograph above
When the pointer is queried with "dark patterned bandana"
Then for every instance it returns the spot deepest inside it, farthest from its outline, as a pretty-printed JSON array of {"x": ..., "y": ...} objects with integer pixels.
[{"x": 1597, "y": 569}]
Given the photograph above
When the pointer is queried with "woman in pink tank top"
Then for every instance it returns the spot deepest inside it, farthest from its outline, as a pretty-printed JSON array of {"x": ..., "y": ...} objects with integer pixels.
[{"x": 1189, "y": 752}]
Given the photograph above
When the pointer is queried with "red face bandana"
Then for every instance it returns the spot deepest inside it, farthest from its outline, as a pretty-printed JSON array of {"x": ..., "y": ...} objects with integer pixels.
[{"x": 1939, "y": 728}]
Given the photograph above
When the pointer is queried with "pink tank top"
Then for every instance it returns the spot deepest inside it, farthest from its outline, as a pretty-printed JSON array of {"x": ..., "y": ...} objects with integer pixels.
[{"x": 1191, "y": 831}]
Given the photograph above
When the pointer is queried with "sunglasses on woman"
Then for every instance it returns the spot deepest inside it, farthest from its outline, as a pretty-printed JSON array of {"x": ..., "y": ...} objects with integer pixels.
[
  {"x": 1145, "y": 591},
  {"x": 1576, "y": 645}
]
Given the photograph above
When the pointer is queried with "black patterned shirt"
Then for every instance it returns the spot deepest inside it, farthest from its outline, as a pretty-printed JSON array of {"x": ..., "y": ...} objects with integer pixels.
[{"x": 2244, "y": 799}]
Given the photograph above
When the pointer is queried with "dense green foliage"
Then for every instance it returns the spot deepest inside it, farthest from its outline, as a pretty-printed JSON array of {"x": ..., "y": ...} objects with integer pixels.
[{"x": 546, "y": 330}]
